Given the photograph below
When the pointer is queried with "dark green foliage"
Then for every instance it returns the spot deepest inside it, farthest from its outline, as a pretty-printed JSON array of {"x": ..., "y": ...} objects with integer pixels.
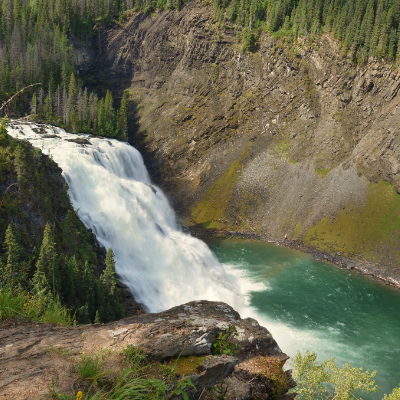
[
  {"x": 365, "y": 27},
  {"x": 56, "y": 260},
  {"x": 77, "y": 111},
  {"x": 34, "y": 45},
  {"x": 224, "y": 344},
  {"x": 35, "y": 48},
  {"x": 108, "y": 278},
  {"x": 248, "y": 39}
]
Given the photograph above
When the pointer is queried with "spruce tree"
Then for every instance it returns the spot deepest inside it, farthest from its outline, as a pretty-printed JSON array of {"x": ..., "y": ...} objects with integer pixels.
[
  {"x": 11, "y": 247},
  {"x": 123, "y": 116},
  {"x": 46, "y": 263},
  {"x": 19, "y": 166},
  {"x": 108, "y": 278},
  {"x": 97, "y": 319}
]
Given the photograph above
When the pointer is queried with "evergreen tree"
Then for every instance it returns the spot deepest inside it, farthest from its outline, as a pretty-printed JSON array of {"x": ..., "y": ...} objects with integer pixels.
[
  {"x": 108, "y": 278},
  {"x": 19, "y": 166},
  {"x": 46, "y": 263},
  {"x": 11, "y": 247},
  {"x": 97, "y": 319},
  {"x": 123, "y": 116}
]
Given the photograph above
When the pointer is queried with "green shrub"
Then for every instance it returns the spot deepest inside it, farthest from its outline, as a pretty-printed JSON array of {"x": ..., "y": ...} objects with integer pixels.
[
  {"x": 329, "y": 381},
  {"x": 224, "y": 344},
  {"x": 395, "y": 395}
]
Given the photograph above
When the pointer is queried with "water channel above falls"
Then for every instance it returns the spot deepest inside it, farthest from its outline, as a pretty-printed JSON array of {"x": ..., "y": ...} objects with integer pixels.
[
  {"x": 307, "y": 304},
  {"x": 304, "y": 303}
]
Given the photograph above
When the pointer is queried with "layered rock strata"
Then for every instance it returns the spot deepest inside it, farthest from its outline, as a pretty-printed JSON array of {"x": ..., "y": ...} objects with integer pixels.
[{"x": 290, "y": 140}]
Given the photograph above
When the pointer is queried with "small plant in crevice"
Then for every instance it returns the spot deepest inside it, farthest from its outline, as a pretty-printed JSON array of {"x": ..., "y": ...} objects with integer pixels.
[
  {"x": 224, "y": 343},
  {"x": 55, "y": 394},
  {"x": 218, "y": 392}
]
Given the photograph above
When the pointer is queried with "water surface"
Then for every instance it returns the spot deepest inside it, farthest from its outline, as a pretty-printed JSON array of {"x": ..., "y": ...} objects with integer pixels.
[{"x": 307, "y": 304}]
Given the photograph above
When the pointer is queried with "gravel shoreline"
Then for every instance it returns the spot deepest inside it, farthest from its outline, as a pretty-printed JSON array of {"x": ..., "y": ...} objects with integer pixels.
[{"x": 378, "y": 272}]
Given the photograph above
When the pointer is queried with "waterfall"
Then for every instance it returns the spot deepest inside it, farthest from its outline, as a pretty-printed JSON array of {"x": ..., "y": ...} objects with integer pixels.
[{"x": 111, "y": 190}]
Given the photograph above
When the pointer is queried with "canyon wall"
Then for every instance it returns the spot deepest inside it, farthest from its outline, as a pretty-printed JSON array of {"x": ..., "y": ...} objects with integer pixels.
[{"x": 291, "y": 140}]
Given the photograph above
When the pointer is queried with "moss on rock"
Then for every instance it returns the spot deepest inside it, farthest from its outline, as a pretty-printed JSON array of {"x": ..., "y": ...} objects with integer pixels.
[{"x": 361, "y": 229}]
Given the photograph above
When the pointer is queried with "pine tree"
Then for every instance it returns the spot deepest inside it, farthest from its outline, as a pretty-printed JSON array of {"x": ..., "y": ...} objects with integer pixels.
[
  {"x": 19, "y": 166},
  {"x": 71, "y": 103},
  {"x": 47, "y": 259},
  {"x": 69, "y": 280},
  {"x": 3, "y": 131},
  {"x": 83, "y": 314},
  {"x": 11, "y": 247},
  {"x": 108, "y": 278},
  {"x": 97, "y": 318},
  {"x": 41, "y": 285},
  {"x": 123, "y": 116},
  {"x": 109, "y": 314}
]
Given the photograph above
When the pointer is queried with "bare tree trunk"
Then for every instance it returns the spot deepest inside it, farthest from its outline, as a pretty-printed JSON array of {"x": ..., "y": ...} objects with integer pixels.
[{"x": 10, "y": 100}]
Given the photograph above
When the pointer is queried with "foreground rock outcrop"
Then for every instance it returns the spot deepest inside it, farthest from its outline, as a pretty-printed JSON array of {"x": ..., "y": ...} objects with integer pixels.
[
  {"x": 291, "y": 140},
  {"x": 32, "y": 356}
]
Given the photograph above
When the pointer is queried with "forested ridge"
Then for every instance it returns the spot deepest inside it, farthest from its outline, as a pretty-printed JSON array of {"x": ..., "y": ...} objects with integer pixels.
[
  {"x": 35, "y": 48},
  {"x": 34, "y": 38},
  {"x": 365, "y": 27}
]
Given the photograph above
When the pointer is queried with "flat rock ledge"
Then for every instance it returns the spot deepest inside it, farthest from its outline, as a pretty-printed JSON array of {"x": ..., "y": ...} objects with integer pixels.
[{"x": 32, "y": 355}]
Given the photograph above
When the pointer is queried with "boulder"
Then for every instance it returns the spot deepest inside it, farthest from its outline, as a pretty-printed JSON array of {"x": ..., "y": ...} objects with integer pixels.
[{"x": 33, "y": 355}]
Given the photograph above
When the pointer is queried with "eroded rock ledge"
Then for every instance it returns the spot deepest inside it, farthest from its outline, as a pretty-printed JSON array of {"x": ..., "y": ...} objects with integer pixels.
[{"x": 27, "y": 367}]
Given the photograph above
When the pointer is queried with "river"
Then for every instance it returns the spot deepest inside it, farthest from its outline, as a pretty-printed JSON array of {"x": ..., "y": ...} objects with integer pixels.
[
  {"x": 307, "y": 304},
  {"x": 304, "y": 303}
]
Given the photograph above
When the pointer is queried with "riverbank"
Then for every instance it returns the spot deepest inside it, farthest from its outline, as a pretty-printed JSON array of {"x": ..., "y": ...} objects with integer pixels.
[{"x": 378, "y": 272}]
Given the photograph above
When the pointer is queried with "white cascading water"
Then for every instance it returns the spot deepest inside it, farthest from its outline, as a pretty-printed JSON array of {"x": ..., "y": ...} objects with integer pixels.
[
  {"x": 110, "y": 188},
  {"x": 163, "y": 267}
]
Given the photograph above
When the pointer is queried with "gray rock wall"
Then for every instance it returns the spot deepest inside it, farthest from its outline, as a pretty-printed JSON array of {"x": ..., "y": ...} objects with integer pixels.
[{"x": 291, "y": 140}]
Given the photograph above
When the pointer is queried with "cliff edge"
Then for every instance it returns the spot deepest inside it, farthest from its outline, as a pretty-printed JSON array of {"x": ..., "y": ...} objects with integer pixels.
[{"x": 36, "y": 358}]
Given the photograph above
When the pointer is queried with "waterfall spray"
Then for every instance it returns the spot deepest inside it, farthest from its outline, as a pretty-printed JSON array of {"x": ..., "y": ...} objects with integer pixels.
[{"x": 110, "y": 188}]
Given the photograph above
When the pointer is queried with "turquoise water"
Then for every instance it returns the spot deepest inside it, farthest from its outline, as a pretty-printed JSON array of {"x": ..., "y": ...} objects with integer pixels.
[{"x": 307, "y": 304}]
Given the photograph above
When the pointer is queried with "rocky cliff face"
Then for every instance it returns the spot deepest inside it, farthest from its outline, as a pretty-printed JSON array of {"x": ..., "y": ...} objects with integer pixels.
[
  {"x": 292, "y": 139},
  {"x": 36, "y": 357}
]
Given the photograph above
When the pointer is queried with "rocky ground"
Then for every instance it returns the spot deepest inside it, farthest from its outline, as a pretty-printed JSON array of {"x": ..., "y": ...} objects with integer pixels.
[{"x": 36, "y": 357}]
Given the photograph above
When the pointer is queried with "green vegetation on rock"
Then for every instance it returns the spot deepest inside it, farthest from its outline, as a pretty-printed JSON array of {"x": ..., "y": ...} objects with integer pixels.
[
  {"x": 210, "y": 210},
  {"x": 361, "y": 228}
]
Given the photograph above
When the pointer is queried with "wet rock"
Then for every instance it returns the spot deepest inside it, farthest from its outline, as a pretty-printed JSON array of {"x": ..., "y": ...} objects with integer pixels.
[
  {"x": 51, "y": 137},
  {"x": 41, "y": 130},
  {"x": 79, "y": 141}
]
